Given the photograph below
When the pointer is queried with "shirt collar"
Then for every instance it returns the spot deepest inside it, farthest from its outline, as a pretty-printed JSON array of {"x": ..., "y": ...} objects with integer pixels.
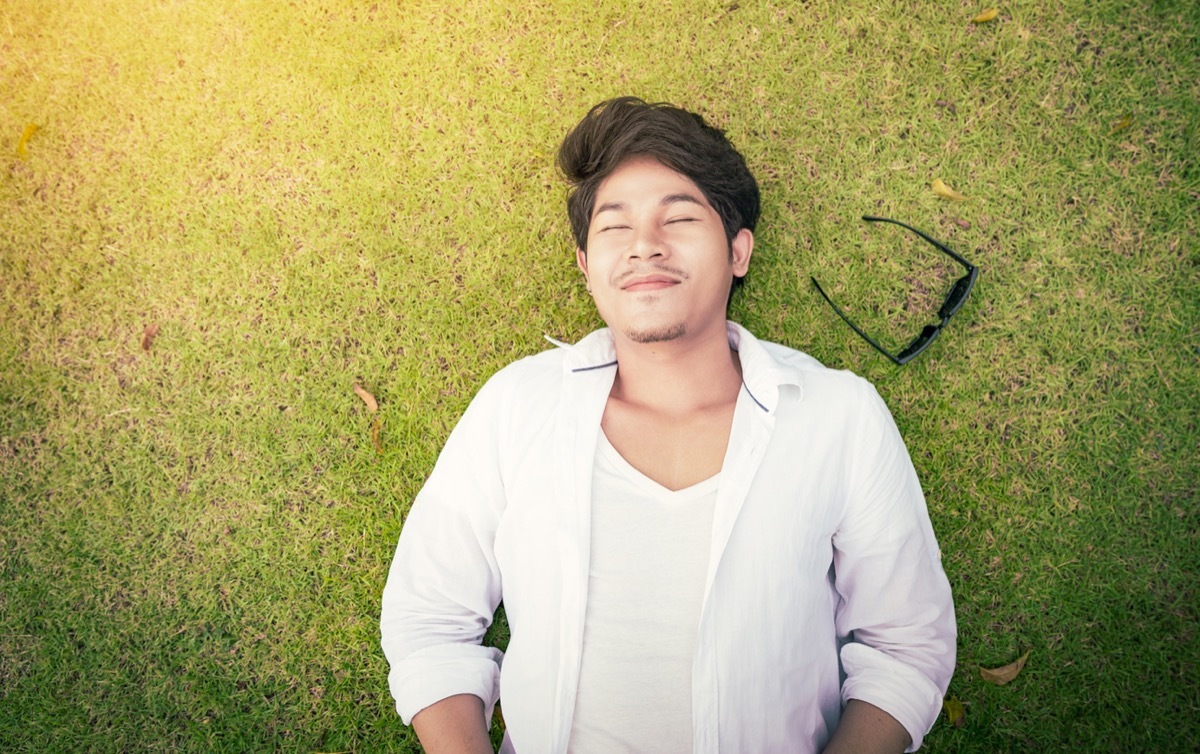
[{"x": 762, "y": 373}]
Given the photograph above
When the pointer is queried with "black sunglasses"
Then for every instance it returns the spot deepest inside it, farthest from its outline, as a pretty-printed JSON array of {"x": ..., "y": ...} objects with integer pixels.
[{"x": 954, "y": 300}]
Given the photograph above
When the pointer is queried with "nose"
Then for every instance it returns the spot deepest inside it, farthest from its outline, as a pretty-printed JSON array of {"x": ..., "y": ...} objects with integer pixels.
[{"x": 649, "y": 243}]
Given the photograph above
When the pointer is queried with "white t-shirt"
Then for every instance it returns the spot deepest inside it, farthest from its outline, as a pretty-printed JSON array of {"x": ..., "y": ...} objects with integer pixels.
[{"x": 650, "y": 549}]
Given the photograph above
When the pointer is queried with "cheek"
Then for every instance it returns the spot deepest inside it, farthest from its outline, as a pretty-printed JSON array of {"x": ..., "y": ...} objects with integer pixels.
[{"x": 599, "y": 264}]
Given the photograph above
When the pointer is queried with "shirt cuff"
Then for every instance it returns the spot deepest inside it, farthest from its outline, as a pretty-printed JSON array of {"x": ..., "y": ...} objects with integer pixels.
[
  {"x": 432, "y": 674},
  {"x": 896, "y": 688}
]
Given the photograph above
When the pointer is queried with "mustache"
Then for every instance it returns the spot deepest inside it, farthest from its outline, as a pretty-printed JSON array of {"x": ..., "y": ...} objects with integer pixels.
[{"x": 651, "y": 269}]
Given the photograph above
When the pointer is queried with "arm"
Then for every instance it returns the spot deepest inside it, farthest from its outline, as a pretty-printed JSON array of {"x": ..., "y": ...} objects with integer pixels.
[
  {"x": 453, "y": 726},
  {"x": 866, "y": 729},
  {"x": 896, "y": 610},
  {"x": 444, "y": 582}
]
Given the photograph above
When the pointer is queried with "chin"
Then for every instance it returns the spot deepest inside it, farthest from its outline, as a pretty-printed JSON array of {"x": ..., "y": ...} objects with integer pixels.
[{"x": 659, "y": 334}]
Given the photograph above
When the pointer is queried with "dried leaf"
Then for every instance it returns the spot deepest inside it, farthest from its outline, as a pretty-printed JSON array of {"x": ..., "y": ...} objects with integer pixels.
[
  {"x": 944, "y": 191},
  {"x": 955, "y": 712},
  {"x": 23, "y": 142},
  {"x": 988, "y": 15},
  {"x": 367, "y": 398},
  {"x": 1001, "y": 676},
  {"x": 375, "y": 435},
  {"x": 148, "y": 336},
  {"x": 1121, "y": 125}
]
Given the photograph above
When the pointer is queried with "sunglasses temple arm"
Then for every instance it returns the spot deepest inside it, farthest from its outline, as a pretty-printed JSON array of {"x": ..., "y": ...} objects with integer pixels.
[
  {"x": 935, "y": 242},
  {"x": 853, "y": 326}
]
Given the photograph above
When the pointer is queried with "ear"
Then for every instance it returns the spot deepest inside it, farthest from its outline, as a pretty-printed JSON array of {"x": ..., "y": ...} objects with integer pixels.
[
  {"x": 581, "y": 260},
  {"x": 739, "y": 251}
]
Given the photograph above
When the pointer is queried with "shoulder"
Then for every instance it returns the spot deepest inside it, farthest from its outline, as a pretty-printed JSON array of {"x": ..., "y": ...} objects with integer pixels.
[
  {"x": 515, "y": 398},
  {"x": 800, "y": 375},
  {"x": 822, "y": 383},
  {"x": 837, "y": 399},
  {"x": 535, "y": 365},
  {"x": 528, "y": 376}
]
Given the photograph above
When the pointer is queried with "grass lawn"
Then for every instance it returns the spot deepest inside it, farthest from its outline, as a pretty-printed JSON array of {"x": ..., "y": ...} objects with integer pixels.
[{"x": 195, "y": 527}]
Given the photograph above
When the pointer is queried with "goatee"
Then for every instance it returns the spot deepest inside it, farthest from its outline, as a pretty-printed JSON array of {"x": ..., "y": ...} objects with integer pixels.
[{"x": 657, "y": 335}]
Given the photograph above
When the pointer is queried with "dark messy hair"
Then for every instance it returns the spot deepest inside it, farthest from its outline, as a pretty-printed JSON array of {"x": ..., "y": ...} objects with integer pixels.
[{"x": 618, "y": 129}]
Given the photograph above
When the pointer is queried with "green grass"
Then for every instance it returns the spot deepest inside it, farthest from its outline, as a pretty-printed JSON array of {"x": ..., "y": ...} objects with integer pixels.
[{"x": 193, "y": 539}]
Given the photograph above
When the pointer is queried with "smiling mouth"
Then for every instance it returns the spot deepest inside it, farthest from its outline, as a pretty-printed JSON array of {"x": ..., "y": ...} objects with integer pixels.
[{"x": 649, "y": 283}]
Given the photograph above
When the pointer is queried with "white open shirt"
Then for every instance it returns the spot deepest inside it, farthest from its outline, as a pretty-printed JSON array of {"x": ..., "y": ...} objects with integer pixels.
[{"x": 823, "y": 584}]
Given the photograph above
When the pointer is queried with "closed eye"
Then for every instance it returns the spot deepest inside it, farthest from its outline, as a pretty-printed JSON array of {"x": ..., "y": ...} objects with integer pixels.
[
  {"x": 681, "y": 220},
  {"x": 614, "y": 227}
]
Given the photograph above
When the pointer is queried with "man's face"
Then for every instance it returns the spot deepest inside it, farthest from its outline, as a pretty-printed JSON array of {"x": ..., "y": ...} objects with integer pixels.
[{"x": 658, "y": 262}]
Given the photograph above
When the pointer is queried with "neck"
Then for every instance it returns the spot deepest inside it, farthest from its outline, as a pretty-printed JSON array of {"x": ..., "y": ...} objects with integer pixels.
[{"x": 678, "y": 376}]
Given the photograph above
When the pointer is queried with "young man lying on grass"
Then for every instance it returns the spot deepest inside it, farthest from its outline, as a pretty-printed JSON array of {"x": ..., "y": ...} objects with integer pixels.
[{"x": 704, "y": 542}]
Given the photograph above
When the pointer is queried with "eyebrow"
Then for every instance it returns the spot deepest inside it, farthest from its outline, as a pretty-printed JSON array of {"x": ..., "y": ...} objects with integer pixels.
[{"x": 667, "y": 200}]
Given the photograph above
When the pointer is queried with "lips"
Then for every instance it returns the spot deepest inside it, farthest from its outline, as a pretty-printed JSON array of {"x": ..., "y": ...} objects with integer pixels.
[{"x": 653, "y": 282}]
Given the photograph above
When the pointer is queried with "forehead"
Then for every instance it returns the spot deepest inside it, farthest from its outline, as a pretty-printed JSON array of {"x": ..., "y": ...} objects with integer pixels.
[{"x": 643, "y": 179}]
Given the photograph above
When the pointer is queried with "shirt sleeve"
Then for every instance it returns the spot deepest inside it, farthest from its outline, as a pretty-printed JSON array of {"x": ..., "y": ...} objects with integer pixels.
[
  {"x": 896, "y": 610},
  {"x": 444, "y": 583}
]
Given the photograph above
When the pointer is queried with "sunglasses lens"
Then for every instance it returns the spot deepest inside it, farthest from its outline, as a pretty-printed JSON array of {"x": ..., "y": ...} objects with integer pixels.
[
  {"x": 921, "y": 342},
  {"x": 958, "y": 294}
]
